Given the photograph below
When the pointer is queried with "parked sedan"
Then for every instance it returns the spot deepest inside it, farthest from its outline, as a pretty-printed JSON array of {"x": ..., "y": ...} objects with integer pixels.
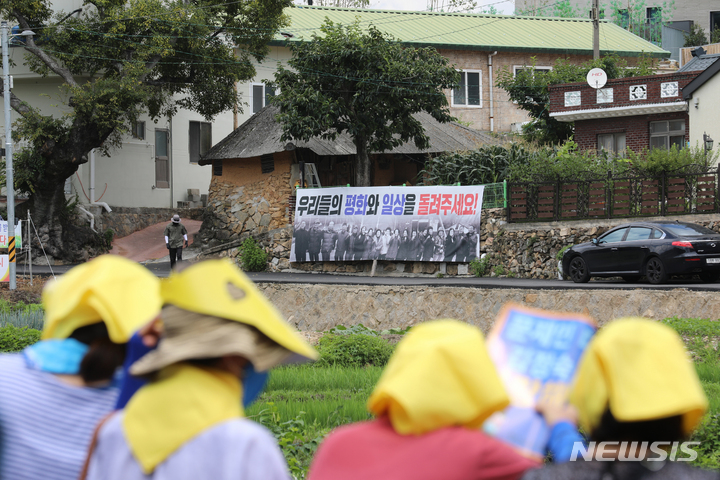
[{"x": 653, "y": 249}]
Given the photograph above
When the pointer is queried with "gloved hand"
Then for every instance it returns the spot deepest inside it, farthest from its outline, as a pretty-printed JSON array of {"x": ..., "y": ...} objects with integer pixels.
[
  {"x": 167, "y": 245},
  {"x": 186, "y": 244}
]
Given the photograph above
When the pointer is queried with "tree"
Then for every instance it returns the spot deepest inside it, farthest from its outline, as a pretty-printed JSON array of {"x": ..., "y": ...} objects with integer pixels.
[
  {"x": 696, "y": 37},
  {"x": 115, "y": 60},
  {"x": 363, "y": 83},
  {"x": 529, "y": 89}
]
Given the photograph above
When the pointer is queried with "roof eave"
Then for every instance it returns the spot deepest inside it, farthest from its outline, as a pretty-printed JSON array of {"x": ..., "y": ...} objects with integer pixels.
[
  {"x": 513, "y": 48},
  {"x": 700, "y": 80},
  {"x": 625, "y": 111}
]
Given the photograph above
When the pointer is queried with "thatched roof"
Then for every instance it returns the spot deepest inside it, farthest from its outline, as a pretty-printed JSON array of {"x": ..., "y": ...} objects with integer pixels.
[{"x": 260, "y": 135}]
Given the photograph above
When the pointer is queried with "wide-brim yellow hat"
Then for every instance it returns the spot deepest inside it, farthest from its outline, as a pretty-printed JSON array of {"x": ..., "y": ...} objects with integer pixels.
[
  {"x": 639, "y": 369},
  {"x": 121, "y": 293},
  {"x": 439, "y": 376},
  {"x": 217, "y": 288}
]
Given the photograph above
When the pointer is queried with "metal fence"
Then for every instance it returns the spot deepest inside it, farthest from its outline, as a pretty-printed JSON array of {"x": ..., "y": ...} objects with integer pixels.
[{"x": 683, "y": 191}]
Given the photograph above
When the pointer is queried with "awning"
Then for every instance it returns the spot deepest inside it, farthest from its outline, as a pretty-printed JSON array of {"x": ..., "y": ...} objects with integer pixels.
[{"x": 626, "y": 111}]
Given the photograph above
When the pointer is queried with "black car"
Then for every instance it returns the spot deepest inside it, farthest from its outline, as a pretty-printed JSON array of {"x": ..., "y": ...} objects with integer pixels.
[{"x": 653, "y": 249}]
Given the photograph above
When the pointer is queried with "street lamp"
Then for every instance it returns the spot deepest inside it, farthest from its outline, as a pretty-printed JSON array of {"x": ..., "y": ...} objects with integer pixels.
[
  {"x": 707, "y": 142},
  {"x": 8, "y": 150}
]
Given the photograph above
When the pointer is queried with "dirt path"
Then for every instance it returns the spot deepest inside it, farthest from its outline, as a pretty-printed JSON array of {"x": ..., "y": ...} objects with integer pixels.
[{"x": 149, "y": 244}]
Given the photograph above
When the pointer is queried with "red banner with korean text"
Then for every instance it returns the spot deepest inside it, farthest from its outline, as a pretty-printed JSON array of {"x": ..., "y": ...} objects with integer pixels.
[{"x": 423, "y": 224}]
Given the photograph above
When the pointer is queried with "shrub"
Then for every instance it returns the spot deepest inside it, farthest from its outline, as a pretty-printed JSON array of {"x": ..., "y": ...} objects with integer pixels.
[
  {"x": 252, "y": 257},
  {"x": 14, "y": 339},
  {"x": 480, "y": 266},
  {"x": 353, "y": 350}
]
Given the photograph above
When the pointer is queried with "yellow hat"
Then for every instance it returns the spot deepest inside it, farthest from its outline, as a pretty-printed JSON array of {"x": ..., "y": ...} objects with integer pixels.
[
  {"x": 217, "y": 288},
  {"x": 439, "y": 376},
  {"x": 121, "y": 293},
  {"x": 640, "y": 370}
]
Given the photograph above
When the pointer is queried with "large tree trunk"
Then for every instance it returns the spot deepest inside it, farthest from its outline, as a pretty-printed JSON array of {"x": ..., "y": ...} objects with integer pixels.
[
  {"x": 363, "y": 172},
  {"x": 53, "y": 218}
]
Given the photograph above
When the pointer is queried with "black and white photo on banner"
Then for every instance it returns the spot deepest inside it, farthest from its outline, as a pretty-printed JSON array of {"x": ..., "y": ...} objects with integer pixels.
[{"x": 424, "y": 224}]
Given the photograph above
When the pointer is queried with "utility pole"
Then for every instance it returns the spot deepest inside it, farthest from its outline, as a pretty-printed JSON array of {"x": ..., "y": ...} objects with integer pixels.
[
  {"x": 596, "y": 29},
  {"x": 8, "y": 157}
]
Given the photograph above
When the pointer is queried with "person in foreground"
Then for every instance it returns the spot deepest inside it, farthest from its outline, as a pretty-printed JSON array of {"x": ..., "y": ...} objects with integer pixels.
[
  {"x": 430, "y": 402},
  {"x": 220, "y": 337},
  {"x": 53, "y": 393},
  {"x": 634, "y": 384}
]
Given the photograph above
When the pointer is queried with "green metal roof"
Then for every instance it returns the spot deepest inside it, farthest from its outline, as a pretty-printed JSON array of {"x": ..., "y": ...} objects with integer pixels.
[{"x": 464, "y": 31}]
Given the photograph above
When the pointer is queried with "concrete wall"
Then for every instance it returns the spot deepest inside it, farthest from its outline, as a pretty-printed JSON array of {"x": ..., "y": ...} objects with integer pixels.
[
  {"x": 505, "y": 112},
  {"x": 704, "y": 116},
  {"x": 321, "y": 307}
]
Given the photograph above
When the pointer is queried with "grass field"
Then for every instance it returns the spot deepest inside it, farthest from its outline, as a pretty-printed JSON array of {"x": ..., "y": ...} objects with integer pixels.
[{"x": 328, "y": 396}]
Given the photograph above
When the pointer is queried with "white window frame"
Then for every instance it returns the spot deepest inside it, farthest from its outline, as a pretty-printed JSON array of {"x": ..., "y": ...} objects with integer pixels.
[
  {"x": 252, "y": 96},
  {"x": 667, "y": 135},
  {"x": 545, "y": 68},
  {"x": 465, "y": 105}
]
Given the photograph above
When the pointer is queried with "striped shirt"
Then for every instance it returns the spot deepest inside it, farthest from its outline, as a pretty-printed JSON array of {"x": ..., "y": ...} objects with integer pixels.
[{"x": 46, "y": 425}]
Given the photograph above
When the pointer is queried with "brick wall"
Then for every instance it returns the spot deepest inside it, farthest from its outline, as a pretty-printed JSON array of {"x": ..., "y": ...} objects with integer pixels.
[
  {"x": 636, "y": 129},
  {"x": 621, "y": 92},
  {"x": 505, "y": 112}
]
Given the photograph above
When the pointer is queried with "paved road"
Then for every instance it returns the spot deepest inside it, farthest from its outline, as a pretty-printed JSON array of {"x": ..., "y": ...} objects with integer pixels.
[{"x": 162, "y": 269}]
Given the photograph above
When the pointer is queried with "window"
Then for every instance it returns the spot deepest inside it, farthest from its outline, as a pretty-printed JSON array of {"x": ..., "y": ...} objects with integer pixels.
[
  {"x": 714, "y": 20},
  {"x": 200, "y": 140},
  {"x": 639, "y": 233},
  {"x": 535, "y": 69},
  {"x": 138, "y": 130},
  {"x": 267, "y": 163},
  {"x": 623, "y": 17},
  {"x": 260, "y": 95},
  {"x": 217, "y": 167},
  {"x": 468, "y": 92},
  {"x": 612, "y": 142},
  {"x": 162, "y": 158},
  {"x": 667, "y": 133},
  {"x": 614, "y": 236},
  {"x": 653, "y": 15}
]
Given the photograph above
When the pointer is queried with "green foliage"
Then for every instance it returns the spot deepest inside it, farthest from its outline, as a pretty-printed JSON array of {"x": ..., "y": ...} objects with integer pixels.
[
  {"x": 117, "y": 60},
  {"x": 480, "y": 266},
  {"x": 353, "y": 350},
  {"x": 696, "y": 37},
  {"x": 659, "y": 160},
  {"x": 487, "y": 164},
  {"x": 715, "y": 35},
  {"x": 370, "y": 89},
  {"x": 252, "y": 257},
  {"x": 529, "y": 89},
  {"x": 708, "y": 434},
  {"x": 562, "y": 252},
  {"x": 14, "y": 339},
  {"x": 108, "y": 237},
  {"x": 499, "y": 270},
  {"x": 694, "y": 326}
]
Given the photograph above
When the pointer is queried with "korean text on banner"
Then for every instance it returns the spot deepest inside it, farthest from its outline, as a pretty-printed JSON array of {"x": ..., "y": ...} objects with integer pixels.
[
  {"x": 4, "y": 235},
  {"x": 536, "y": 353},
  {"x": 429, "y": 224}
]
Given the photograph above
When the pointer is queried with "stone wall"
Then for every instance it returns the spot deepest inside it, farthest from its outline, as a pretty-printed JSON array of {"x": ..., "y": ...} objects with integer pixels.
[
  {"x": 125, "y": 220},
  {"x": 528, "y": 250},
  {"x": 243, "y": 200},
  {"x": 320, "y": 307}
]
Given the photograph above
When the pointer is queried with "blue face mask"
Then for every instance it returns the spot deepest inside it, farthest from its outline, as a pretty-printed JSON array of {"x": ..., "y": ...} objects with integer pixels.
[
  {"x": 253, "y": 384},
  {"x": 59, "y": 356}
]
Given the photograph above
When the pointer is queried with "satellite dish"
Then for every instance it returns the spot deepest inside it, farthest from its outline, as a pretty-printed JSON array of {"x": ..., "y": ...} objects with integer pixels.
[{"x": 597, "y": 78}]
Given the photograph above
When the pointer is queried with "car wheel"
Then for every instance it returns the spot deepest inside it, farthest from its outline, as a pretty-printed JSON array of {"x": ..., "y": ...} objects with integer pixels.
[
  {"x": 709, "y": 277},
  {"x": 578, "y": 270},
  {"x": 631, "y": 278},
  {"x": 655, "y": 271}
]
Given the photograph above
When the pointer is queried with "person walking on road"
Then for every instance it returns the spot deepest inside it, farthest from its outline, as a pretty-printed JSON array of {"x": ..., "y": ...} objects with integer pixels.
[{"x": 175, "y": 233}]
